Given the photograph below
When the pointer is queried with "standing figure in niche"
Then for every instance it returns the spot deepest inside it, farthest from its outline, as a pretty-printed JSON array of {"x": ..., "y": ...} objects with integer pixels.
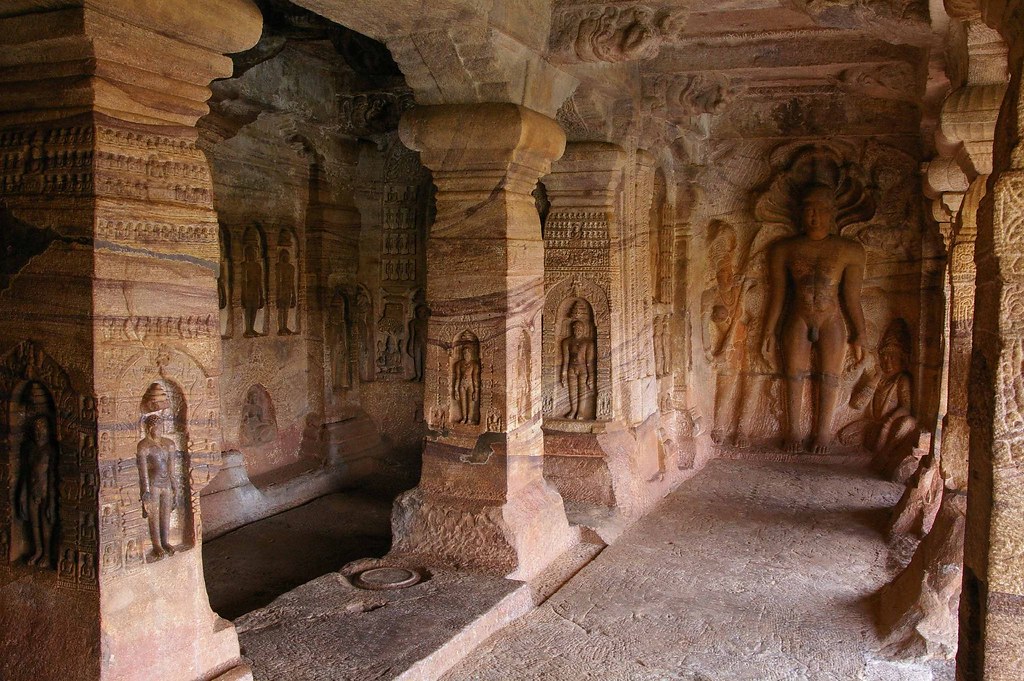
[
  {"x": 725, "y": 327},
  {"x": 467, "y": 381},
  {"x": 285, "y": 292},
  {"x": 222, "y": 278},
  {"x": 363, "y": 331},
  {"x": 37, "y": 489},
  {"x": 253, "y": 299},
  {"x": 341, "y": 374},
  {"x": 155, "y": 456},
  {"x": 577, "y": 356},
  {"x": 417, "y": 346},
  {"x": 814, "y": 269}
]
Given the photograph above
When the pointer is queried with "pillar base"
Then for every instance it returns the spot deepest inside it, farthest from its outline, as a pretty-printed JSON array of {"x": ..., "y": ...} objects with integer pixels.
[{"x": 464, "y": 515}]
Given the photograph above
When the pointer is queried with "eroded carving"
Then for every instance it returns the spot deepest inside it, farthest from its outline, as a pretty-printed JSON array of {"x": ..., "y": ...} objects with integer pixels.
[
  {"x": 287, "y": 280},
  {"x": 259, "y": 422}
]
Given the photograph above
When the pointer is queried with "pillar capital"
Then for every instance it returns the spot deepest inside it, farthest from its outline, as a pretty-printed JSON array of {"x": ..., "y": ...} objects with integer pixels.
[
  {"x": 146, "y": 61},
  {"x": 969, "y": 116},
  {"x": 481, "y": 147}
]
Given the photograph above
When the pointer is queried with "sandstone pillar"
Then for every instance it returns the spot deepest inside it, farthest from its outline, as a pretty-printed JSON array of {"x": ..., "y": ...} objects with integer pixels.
[
  {"x": 992, "y": 606},
  {"x": 482, "y": 501},
  {"x": 109, "y": 346}
]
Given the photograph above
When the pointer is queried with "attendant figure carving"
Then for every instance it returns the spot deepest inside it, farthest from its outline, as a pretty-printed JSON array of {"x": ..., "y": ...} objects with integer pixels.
[
  {"x": 286, "y": 298},
  {"x": 253, "y": 298},
  {"x": 37, "y": 489},
  {"x": 467, "y": 385},
  {"x": 578, "y": 352},
  {"x": 725, "y": 327},
  {"x": 340, "y": 363},
  {"x": 815, "y": 270},
  {"x": 156, "y": 456}
]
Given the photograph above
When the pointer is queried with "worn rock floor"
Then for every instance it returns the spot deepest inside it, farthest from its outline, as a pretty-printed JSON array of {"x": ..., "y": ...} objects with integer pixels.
[
  {"x": 751, "y": 571},
  {"x": 251, "y": 566}
]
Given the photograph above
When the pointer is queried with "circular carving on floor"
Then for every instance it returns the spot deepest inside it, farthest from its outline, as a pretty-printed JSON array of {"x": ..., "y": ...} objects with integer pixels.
[{"x": 378, "y": 579}]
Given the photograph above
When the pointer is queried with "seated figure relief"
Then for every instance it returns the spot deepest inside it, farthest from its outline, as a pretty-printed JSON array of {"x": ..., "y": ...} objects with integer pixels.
[
  {"x": 820, "y": 273},
  {"x": 888, "y": 423}
]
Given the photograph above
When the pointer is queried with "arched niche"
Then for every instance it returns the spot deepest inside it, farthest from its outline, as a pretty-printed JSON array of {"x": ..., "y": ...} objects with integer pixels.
[
  {"x": 163, "y": 460},
  {"x": 44, "y": 422},
  {"x": 286, "y": 283},
  {"x": 254, "y": 280},
  {"x": 466, "y": 383},
  {"x": 571, "y": 301},
  {"x": 258, "y": 426},
  {"x": 225, "y": 283}
]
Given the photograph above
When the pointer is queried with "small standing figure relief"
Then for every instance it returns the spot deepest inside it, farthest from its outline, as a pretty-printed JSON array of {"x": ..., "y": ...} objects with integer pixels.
[
  {"x": 467, "y": 386},
  {"x": 417, "y": 346},
  {"x": 816, "y": 268},
  {"x": 253, "y": 299},
  {"x": 156, "y": 456},
  {"x": 578, "y": 353},
  {"x": 286, "y": 298},
  {"x": 341, "y": 373},
  {"x": 37, "y": 489},
  {"x": 363, "y": 331},
  {"x": 662, "y": 345}
]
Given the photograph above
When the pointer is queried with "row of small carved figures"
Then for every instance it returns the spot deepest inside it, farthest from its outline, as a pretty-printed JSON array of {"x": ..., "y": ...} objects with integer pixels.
[{"x": 71, "y": 136}]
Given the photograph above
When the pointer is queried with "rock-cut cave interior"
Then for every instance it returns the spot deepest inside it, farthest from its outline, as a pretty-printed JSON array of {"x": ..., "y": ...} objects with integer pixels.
[{"x": 512, "y": 340}]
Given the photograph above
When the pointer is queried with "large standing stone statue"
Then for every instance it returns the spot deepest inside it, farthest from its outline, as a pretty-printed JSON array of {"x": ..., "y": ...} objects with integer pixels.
[
  {"x": 577, "y": 356},
  {"x": 37, "y": 489},
  {"x": 813, "y": 270},
  {"x": 253, "y": 299},
  {"x": 155, "y": 456},
  {"x": 286, "y": 297}
]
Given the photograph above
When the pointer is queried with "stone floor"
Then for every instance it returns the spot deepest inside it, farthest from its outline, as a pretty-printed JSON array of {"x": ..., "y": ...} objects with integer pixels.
[
  {"x": 251, "y": 566},
  {"x": 751, "y": 571}
]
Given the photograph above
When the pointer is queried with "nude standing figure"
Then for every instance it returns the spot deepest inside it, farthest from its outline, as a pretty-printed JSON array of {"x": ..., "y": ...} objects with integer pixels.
[
  {"x": 815, "y": 270},
  {"x": 577, "y": 356},
  {"x": 158, "y": 484}
]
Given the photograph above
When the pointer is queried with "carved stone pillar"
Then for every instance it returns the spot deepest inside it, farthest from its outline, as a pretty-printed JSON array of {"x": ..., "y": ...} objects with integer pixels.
[
  {"x": 992, "y": 606},
  {"x": 482, "y": 500},
  {"x": 962, "y": 274},
  {"x": 109, "y": 346}
]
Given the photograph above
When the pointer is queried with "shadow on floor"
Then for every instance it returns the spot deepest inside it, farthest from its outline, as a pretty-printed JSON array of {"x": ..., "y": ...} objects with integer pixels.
[{"x": 251, "y": 566}]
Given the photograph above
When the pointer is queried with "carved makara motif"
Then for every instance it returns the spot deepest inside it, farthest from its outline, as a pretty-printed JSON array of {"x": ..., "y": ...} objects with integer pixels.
[{"x": 618, "y": 34}]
